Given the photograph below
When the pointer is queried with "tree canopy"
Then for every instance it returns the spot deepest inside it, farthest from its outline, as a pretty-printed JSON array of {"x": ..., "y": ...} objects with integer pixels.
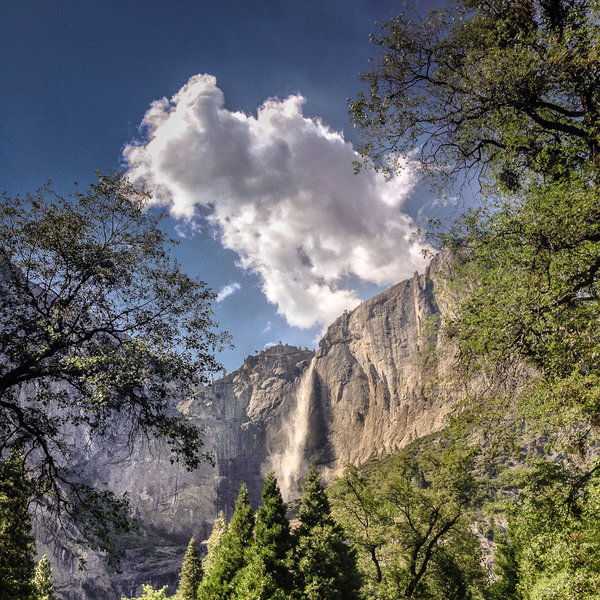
[
  {"x": 410, "y": 518},
  {"x": 508, "y": 91},
  {"x": 101, "y": 333},
  {"x": 499, "y": 86}
]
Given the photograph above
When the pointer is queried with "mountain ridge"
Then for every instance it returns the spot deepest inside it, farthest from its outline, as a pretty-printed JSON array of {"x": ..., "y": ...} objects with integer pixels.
[{"x": 370, "y": 388}]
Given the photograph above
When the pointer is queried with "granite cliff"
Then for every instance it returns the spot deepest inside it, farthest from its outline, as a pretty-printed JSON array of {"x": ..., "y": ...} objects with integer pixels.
[{"x": 375, "y": 383}]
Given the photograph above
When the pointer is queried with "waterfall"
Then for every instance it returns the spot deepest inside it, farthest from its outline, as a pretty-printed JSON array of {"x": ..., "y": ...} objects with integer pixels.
[{"x": 289, "y": 462}]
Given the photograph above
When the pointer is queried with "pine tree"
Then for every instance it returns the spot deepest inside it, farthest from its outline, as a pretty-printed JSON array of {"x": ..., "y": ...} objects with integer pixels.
[
  {"x": 42, "y": 582},
  {"x": 17, "y": 547},
  {"x": 215, "y": 541},
  {"x": 314, "y": 508},
  {"x": 231, "y": 557},
  {"x": 191, "y": 574},
  {"x": 326, "y": 564},
  {"x": 268, "y": 575}
]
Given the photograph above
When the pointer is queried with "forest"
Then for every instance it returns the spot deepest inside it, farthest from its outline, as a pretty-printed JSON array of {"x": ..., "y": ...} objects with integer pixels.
[{"x": 498, "y": 101}]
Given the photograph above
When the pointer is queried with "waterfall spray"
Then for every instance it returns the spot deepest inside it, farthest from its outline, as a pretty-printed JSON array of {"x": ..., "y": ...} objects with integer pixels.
[{"x": 288, "y": 464}]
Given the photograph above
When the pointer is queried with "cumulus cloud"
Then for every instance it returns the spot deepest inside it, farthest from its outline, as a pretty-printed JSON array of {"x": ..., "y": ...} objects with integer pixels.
[
  {"x": 227, "y": 291},
  {"x": 281, "y": 189}
]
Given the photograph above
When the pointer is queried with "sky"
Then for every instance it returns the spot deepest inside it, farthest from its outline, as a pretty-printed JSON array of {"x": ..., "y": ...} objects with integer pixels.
[{"x": 234, "y": 115}]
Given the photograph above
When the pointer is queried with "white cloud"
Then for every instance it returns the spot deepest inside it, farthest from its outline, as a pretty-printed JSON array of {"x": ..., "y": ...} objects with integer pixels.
[
  {"x": 187, "y": 228},
  {"x": 227, "y": 291},
  {"x": 282, "y": 191}
]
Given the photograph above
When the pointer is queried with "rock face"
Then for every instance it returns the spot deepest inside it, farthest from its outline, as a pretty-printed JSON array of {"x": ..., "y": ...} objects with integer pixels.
[{"x": 374, "y": 384}]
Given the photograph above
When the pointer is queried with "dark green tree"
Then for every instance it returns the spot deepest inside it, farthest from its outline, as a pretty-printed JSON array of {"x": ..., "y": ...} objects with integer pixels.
[
  {"x": 17, "y": 547},
  {"x": 268, "y": 574},
  {"x": 43, "y": 582},
  {"x": 552, "y": 545},
  {"x": 326, "y": 565},
  {"x": 191, "y": 574},
  {"x": 418, "y": 506},
  {"x": 231, "y": 557},
  {"x": 101, "y": 331}
]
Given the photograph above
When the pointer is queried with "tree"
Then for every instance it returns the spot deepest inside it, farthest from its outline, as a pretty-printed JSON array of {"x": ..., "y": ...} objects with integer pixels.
[
  {"x": 101, "y": 332},
  {"x": 501, "y": 86},
  {"x": 268, "y": 575},
  {"x": 552, "y": 545},
  {"x": 355, "y": 505},
  {"x": 43, "y": 583},
  {"x": 17, "y": 546},
  {"x": 191, "y": 574},
  {"x": 214, "y": 542},
  {"x": 326, "y": 565},
  {"x": 526, "y": 289},
  {"x": 232, "y": 556},
  {"x": 411, "y": 515},
  {"x": 149, "y": 593},
  {"x": 508, "y": 90}
]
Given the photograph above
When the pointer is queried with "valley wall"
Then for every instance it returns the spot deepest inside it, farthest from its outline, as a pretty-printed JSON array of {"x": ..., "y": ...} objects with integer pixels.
[{"x": 378, "y": 380}]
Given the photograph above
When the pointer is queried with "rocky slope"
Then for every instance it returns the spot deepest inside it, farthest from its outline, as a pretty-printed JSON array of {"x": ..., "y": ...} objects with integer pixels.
[{"x": 374, "y": 384}]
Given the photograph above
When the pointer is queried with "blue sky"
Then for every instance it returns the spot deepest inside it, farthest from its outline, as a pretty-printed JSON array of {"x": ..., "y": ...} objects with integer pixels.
[{"x": 245, "y": 140}]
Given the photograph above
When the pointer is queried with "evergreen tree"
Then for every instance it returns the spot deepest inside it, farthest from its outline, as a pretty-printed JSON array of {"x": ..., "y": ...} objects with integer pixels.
[
  {"x": 42, "y": 581},
  {"x": 215, "y": 541},
  {"x": 268, "y": 575},
  {"x": 191, "y": 574},
  {"x": 17, "y": 547},
  {"x": 314, "y": 508},
  {"x": 231, "y": 557},
  {"x": 506, "y": 569},
  {"x": 326, "y": 564}
]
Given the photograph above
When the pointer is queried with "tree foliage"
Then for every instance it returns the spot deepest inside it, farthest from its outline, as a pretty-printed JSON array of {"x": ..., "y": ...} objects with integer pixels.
[
  {"x": 326, "y": 565},
  {"x": 502, "y": 86},
  {"x": 410, "y": 520},
  {"x": 17, "y": 547},
  {"x": 191, "y": 574},
  {"x": 509, "y": 90},
  {"x": 43, "y": 582},
  {"x": 552, "y": 543},
  {"x": 232, "y": 555},
  {"x": 268, "y": 574},
  {"x": 526, "y": 283},
  {"x": 100, "y": 331}
]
